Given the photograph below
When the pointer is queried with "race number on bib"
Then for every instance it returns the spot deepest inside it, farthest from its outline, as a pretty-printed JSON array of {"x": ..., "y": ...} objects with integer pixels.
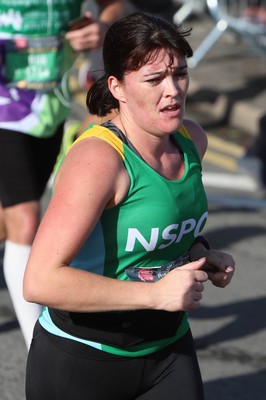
[{"x": 34, "y": 63}]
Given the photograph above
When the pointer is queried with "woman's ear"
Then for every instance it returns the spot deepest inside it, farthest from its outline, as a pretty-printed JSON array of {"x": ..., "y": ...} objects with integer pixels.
[{"x": 116, "y": 88}]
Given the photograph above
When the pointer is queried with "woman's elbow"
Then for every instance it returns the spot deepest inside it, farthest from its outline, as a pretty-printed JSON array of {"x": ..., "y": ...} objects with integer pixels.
[{"x": 31, "y": 289}]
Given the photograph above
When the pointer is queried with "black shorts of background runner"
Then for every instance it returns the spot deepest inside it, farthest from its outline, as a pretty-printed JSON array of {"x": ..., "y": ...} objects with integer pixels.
[
  {"x": 59, "y": 368},
  {"x": 26, "y": 164}
]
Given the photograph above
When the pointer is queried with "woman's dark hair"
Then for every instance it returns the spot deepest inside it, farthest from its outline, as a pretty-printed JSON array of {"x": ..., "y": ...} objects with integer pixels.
[{"x": 128, "y": 45}]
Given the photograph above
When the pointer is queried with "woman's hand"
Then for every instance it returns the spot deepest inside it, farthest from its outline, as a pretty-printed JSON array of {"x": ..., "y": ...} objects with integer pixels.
[
  {"x": 181, "y": 289},
  {"x": 219, "y": 266}
]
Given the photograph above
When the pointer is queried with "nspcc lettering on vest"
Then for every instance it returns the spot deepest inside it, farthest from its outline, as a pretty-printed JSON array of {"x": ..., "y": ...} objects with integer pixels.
[{"x": 171, "y": 234}]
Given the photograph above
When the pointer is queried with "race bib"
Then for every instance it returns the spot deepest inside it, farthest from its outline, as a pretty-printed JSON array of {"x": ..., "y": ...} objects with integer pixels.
[
  {"x": 34, "y": 63},
  {"x": 154, "y": 274}
]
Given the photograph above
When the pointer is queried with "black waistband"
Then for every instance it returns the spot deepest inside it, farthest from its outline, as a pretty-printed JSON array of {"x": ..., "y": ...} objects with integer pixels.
[{"x": 120, "y": 329}]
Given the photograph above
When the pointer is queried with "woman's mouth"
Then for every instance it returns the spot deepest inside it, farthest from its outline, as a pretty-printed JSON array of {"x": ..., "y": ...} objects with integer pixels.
[{"x": 171, "y": 109}]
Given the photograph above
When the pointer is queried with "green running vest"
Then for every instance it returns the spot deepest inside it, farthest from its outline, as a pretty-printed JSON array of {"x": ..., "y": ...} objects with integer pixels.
[{"x": 156, "y": 223}]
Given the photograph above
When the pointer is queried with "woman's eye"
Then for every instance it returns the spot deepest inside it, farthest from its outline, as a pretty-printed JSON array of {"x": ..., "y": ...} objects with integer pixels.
[
  {"x": 182, "y": 74},
  {"x": 155, "y": 80}
]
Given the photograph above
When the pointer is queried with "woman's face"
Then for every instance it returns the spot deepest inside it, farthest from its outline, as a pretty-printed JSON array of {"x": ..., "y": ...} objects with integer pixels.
[{"x": 153, "y": 98}]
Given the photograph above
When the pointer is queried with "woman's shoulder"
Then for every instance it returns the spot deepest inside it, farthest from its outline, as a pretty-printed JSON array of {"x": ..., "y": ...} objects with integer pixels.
[
  {"x": 197, "y": 135},
  {"x": 103, "y": 133}
]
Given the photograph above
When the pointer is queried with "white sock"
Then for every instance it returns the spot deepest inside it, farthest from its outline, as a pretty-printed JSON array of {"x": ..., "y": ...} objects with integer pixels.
[{"x": 15, "y": 260}]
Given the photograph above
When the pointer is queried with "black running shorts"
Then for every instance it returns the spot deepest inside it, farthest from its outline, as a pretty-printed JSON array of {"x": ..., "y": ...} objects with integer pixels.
[
  {"x": 26, "y": 163},
  {"x": 60, "y": 368}
]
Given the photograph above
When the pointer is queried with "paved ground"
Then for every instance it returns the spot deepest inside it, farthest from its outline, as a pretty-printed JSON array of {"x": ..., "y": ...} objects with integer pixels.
[{"x": 230, "y": 326}]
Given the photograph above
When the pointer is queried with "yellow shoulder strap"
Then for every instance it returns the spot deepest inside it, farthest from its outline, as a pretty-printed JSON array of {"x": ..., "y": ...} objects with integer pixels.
[
  {"x": 110, "y": 137},
  {"x": 184, "y": 132},
  {"x": 104, "y": 134}
]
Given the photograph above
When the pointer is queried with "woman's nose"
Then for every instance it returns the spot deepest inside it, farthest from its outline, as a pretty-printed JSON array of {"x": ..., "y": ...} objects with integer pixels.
[{"x": 172, "y": 86}]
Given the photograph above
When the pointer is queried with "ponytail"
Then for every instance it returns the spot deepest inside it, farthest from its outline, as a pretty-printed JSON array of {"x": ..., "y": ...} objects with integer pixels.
[{"x": 100, "y": 100}]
